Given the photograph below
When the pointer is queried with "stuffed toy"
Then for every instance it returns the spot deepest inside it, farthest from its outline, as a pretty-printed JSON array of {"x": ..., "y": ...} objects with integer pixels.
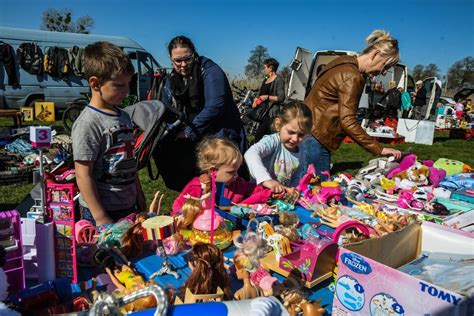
[
  {"x": 377, "y": 166},
  {"x": 461, "y": 181},
  {"x": 417, "y": 173},
  {"x": 405, "y": 163},
  {"x": 451, "y": 166}
]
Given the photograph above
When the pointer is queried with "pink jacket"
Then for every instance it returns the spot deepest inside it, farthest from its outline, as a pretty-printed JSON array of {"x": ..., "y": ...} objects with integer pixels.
[{"x": 239, "y": 191}]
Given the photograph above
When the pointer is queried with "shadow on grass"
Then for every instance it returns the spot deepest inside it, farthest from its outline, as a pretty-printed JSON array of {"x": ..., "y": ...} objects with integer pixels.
[
  {"x": 441, "y": 139},
  {"x": 348, "y": 165}
]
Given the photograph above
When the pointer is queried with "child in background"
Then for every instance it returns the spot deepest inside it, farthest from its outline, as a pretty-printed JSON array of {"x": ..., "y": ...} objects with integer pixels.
[
  {"x": 459, "y": 107},
  {"x": 102, "y": 140},
  {"x": 274, "y": 160},
  {"x": 223, "y": 156}
]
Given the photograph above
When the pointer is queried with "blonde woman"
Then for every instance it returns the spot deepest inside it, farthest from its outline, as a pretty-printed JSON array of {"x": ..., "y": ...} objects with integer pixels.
[
  {"x": 391, "y": 100},
  {"x": 335, "y": 96}
]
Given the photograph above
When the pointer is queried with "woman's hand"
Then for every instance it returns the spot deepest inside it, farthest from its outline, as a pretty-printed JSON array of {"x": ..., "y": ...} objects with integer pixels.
[
  {"x": 392, "y": 152},
  {"x": 274, "y": 186}
]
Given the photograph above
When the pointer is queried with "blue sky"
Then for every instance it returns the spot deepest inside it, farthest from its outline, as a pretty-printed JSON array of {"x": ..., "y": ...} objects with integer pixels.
[{"x": 429, "y": 31}]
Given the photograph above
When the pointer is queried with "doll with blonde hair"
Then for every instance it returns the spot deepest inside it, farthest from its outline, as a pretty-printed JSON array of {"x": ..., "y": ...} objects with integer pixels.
[
  {"x": 250, "y": 249},
  {"x": 223, "y": 156}
]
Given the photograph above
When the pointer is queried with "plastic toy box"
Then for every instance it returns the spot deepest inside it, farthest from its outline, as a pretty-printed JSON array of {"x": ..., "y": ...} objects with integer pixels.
[
  {"x": 60, "y": 208},
  {"x": 369, "y": 284},
  {"x": 10, "y": 239}
]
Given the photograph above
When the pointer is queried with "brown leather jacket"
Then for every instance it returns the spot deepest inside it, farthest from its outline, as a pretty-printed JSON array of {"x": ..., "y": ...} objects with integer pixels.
[{"x": 334, "y": 100}]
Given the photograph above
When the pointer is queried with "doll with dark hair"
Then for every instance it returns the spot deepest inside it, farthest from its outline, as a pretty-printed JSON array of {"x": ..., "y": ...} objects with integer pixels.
[{"x": 208, "y": 273}]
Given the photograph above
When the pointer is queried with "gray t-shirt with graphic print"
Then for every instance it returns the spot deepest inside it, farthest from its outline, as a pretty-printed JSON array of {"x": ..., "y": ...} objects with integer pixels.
[{"x": 108, "y": 141}]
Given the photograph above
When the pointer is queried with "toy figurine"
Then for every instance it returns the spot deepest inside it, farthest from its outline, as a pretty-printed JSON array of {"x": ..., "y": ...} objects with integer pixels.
[
  {"x": 155, "y": 205},
  {"x": 248, "y": 291},
  {"x": 296, "y": 304},
  {"x": 127, "y": 281},
  {"x": 250, "y": 249},
  {"x": 208, "y": 273},
  {"x": 132, "y": 240}
]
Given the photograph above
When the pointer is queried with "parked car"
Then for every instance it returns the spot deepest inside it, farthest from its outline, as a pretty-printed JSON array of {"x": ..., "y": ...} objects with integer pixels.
[
  {"x": 446, "y": 101},
  {"x": 465, "y": 93}
]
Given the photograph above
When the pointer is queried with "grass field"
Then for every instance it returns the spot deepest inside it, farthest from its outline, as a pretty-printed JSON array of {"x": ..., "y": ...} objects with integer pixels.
[{"x": 349, "y": 158}]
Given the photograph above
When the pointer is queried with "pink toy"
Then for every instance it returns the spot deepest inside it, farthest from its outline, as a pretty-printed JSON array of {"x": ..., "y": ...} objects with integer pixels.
[
  {"x": 328, "y": 189},
  {"x": 312, "y": 260},
  {"x": 62, "y": 215},
  {"x": 406, "y": 163},
  {"x": 10, "y": 236},
  {"x": 436, "y": 176},
  {"x": 85, "y": 232},
  {"x": 406, "y": 201}
]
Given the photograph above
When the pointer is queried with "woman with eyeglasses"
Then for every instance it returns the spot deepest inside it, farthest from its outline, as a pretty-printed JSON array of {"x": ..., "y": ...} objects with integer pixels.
[
  {"x": 200, "y": 89},
  {"x": 334, "y": 99}
]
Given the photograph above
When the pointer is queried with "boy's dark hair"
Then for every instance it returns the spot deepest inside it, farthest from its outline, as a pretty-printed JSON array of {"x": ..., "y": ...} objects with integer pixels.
[
  {"x": 181, "y": 41},
  {"x": 271, "y": 62},
  {"x": 106, "y": 61}
]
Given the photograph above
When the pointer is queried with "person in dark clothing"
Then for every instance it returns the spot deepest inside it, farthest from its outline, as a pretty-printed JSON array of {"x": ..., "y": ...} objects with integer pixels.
[
  {"x": 200, "y": 89},
  {"x": 391, "y": 101},
  {"x": 271, "y": 96},
  {"x": 419, "y": 105}
]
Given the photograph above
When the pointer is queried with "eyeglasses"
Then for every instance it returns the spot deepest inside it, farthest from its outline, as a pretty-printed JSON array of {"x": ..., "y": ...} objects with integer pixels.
[{"x": 186, "y": 60}]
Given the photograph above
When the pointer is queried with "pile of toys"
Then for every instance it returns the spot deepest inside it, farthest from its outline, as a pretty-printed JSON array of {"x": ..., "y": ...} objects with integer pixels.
[{"x": 152, "y": 261}]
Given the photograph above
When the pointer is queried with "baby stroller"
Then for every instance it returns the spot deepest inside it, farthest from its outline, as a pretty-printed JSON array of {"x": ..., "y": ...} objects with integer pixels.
[
  {"x": 154, "y": 123},
  {"x": 257, "y": 121}
]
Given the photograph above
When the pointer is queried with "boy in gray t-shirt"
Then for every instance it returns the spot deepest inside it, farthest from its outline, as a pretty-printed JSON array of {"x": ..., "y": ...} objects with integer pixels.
[{"x": 102, "y": 139}]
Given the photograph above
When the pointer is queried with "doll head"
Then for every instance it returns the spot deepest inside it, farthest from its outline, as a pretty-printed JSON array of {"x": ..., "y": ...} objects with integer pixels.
[
  {"x": 222, "y": 155},
  {"x": 250, "y": 249},
  {"x": 288, "y": 219},
  {"x": 191, "y": 208},
  {"x": 208, "y": 273},
  {"x": 132, "y": 240}
]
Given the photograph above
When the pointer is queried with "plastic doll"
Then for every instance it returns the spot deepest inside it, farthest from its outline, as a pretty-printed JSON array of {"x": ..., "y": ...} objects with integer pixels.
[
  {"x": 296, "y": 304},
  {"x": 208, "y": 273},
  {"x": 133, "y": 241},
  {"x": 248, "y": 290},
  {"x": 127, "y": 281},
  {"x": 250, "y": 249}
]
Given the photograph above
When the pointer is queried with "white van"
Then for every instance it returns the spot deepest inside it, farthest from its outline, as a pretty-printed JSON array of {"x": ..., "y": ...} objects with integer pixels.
[{"x": 33, "y": 88}]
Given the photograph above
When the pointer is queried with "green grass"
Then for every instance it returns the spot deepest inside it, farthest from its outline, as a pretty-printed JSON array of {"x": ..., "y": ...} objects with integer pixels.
[{"x": 349, "y": 158}]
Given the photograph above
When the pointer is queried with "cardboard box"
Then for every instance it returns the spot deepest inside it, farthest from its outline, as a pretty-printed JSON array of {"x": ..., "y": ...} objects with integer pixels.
[{"x": 369, "y": 284}]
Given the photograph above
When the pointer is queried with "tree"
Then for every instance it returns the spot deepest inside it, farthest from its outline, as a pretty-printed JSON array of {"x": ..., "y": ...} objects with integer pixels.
[
  {"x": 61, "y": 21},
  {"x": 461, "y": 73},
  {"x": 418, "y": 72},
  {"x": 285, "y": 74},
  {"x": 255, "y": 62},
  {"x": 431, "y": 70}
]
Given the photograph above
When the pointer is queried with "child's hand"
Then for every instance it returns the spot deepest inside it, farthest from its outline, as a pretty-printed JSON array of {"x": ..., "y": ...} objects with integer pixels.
[
  {"x": 274, "y": 185},
  {"x": 103, "y": 220}
]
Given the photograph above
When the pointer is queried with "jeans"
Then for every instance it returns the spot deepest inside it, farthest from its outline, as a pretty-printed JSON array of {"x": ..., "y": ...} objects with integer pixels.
[{"x": 313, "y": 152}]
